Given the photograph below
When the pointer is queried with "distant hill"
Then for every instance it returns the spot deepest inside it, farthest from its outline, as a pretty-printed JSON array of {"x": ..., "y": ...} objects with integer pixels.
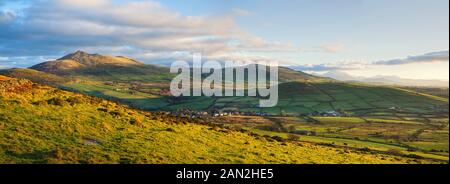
[
  {"x": 35, "y": 76},
  {"x": 289, "y": 75},
  {"x": 393, "y": 80},
  {"x": 46, "y": 125},
  {"x": 386, "y": 80},
  {"x": 109, "y": 68},
  {"x": 342, "y": 76}
]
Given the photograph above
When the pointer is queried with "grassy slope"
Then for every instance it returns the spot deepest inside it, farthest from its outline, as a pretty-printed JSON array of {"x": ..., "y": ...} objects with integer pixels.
[
  {"x": 40, "y": 124},
  {"x": 35, "y": 76}
]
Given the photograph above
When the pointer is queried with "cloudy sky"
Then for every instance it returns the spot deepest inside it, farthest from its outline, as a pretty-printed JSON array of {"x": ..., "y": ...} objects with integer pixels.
[{"x": 407, "y": 38}]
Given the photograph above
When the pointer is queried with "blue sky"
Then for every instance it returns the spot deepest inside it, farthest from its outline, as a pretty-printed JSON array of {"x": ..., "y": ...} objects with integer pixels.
[
  {"x": 320, "y": 35},
  {"x": 371, "y": 29}
]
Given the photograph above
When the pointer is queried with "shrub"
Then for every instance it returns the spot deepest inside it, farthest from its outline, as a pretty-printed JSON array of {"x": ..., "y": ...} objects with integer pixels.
[
  {"x": 278, "y": 138},
  {"x": 74, "y": 100},
  {"x": 102, "y": 109},
  {"x": 292, "y": 128},
  {"x": 415, "y": 156},
  {"x": 57, "y": 153},
  {"x": 170, "y": 129},
  {"x": 40, "y": 103},
  {"x": 116, "y": 113},
  {"x": 394, "y": 152},
  {"x": 136, "y": 121},
  {"x": 56, "y": 101},
  {"x": 293, "y": 137}
]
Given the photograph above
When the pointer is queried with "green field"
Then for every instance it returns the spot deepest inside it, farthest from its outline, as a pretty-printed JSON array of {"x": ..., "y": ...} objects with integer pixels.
[{"x": 416, "y": 138}]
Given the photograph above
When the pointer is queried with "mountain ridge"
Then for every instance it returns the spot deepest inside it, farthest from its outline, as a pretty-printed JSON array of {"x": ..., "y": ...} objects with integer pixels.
[
  {"x": 386, "y": 80},
  {"x": 80, "y": 60},
  {"x": 83, "y": 63}
]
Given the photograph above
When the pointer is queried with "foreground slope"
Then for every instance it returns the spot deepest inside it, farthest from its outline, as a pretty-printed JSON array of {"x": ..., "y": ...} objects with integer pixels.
[{"x": 41, "y": 124}]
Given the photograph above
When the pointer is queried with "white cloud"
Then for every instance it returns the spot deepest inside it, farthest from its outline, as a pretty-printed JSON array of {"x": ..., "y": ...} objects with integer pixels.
[
  {"x": 441, "y": 56},
  {"x": 6, "y": 17},
  {"x": 55, "y": 26}
]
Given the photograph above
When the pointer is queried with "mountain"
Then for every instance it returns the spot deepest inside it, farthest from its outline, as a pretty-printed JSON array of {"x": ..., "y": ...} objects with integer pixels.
[
  {"x": 386, "y": 80},
  {"x": 46, "y": 125},
  {"x": 339, "y": 75},
  {"x": 81, "y": 59},
  {"x": 103, "y": 68},
  {"x": 120, "y": 68},
  {"x": 394, "y": 80}
]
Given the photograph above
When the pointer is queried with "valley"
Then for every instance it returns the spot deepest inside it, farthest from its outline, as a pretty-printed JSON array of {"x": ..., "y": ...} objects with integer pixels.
[
  {"x": 399, "y": 122},
  {"x": 42, "y": 124}
]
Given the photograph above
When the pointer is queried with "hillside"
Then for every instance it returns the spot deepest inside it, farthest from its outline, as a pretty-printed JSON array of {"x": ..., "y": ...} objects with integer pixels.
[
  {"x": 289, "y": 75},
  {"x": 35, "y": 76},
  {"x": 41, "y": 124}
]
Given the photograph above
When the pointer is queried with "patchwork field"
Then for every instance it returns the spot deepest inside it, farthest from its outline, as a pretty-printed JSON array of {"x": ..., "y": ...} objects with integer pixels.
[{"x": 406, "y": 137}]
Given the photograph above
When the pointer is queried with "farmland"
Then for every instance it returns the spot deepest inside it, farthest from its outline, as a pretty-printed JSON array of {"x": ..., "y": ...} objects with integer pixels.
[{"x": 41, "y": 124}]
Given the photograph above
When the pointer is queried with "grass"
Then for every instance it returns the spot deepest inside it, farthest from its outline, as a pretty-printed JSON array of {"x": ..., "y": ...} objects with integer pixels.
[
  {"x": 46, "y": 125},
  {"x": 339, "y": 119},
  {"x": 361, "y": 144}
]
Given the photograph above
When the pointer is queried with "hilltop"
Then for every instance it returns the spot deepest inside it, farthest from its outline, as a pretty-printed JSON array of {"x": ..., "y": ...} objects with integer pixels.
[
  {"x": 80, "y": 59},
  {"x": 41, "y": 124}
]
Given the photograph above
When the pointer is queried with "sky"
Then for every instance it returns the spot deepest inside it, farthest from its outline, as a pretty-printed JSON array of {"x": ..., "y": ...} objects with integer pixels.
[{"x": 405, "y": 38}]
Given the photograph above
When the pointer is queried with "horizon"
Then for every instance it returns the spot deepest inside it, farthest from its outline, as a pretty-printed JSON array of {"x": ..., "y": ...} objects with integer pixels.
[{"x": 321, "y": 36}]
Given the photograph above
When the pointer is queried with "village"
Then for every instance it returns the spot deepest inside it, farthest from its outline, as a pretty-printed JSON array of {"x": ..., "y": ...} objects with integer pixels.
[{"x": 187, "y": 113}]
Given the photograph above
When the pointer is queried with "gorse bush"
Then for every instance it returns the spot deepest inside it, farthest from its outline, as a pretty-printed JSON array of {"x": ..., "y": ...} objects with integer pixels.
[{"x": 57, "y": 101}]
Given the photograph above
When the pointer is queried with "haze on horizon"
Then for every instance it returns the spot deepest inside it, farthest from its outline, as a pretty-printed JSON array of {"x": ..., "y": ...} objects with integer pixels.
[{"x": 405, "y": 38}]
